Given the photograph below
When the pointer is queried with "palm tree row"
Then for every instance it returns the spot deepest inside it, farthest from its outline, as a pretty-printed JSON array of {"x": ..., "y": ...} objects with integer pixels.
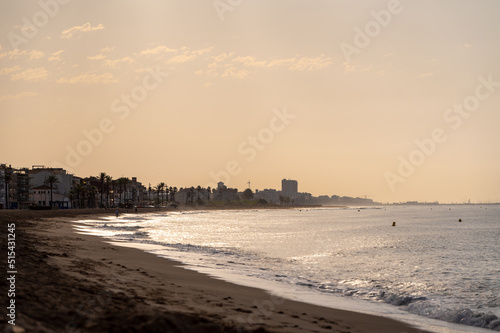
[{"x": 163, "y": 193}]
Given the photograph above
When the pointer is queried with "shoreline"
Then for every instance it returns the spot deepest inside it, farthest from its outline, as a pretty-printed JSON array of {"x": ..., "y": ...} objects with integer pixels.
[{"x": 72, "y": 282}]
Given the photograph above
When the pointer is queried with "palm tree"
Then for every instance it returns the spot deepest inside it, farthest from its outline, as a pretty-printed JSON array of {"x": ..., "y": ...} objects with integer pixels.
[
  {"x": 122, "y": 183},
  {"x": 109, "y": 181},
  {"x": 198, "y": 190},
  {"x": 208, "y": 189},
  {"x": 174, "y": 190},
  {"x": 51, "y": 180},
  {"x": 167, "y": 191},
  {"x": 159, "y": 191},
  {"x": 171, "y": 191},
  {"x": 191, "y": 194},
  {"x": 102, "y": 178}
]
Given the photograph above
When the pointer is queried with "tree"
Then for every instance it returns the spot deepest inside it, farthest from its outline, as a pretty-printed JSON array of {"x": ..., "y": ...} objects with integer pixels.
[
  {"x": 208, "y": 189},
  {"x": 102, "y": 178},
  {"x": 191, "y": 194},
  {"x": 79, "y": 191},
  {"x": 122, "y": 183},
  {"x": 198, "y": 190},
  {"x": 174, "y": 190},
  {"x": 109, "y": 183},
  {"x": 248, "y": 194},
  {"x": 159, "y": 190},
  {"x": 171, "y": 191},
  {"x": 51, "y": 180}
]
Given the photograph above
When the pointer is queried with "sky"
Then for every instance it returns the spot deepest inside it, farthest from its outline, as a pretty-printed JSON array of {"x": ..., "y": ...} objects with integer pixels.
[{"x": 393, "y": 100}]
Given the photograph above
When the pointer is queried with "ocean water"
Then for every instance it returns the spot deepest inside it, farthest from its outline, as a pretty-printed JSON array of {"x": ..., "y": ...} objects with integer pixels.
[{"x": 429, "y": 266}]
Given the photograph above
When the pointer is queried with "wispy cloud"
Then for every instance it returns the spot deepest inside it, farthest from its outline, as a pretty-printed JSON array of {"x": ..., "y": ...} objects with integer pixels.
[
  {"x": 76, "y": 30},
  {"x": 235, "y": 72},
  {"x": 285, "y": 62},
  {"x": 102, "y": 55},
  {"x": 16, "y": 54},
  {"x": 223, "y": 56},
  {"x": 157, "y": 50},
  {"x": 18, "y": 96},
  {"x": 56, "y": 56},
  {"x": 250, "y": 61},
  {"x": 89, "y": 78},
  {"x": 31, "y": 75},
  {"x": 181, "y": 58},
  {"x": 310, "y": 64},
  {"x": 8, "y": 70},
  {"x": 426, "y": 74},
  {"x": 115, "y": 63}
]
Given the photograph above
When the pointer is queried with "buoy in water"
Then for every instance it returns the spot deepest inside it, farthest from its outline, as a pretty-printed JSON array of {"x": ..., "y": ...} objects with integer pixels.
[
  {"x": 393, "y": 224},
  {"x": 459, "y": 220}
]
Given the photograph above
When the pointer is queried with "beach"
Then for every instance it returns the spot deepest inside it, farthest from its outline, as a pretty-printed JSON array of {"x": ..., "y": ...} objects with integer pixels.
[{"x": 70, "y": 282}]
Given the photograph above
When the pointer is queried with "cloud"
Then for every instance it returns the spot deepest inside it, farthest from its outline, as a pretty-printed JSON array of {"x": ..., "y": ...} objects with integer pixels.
[
  {"x": 426, "y": 74},
  {"x": 56, "y": 56},
  {"x": 36, "y": 55},
  {"x": 348, "y": 68},
  {"x": 18, "y": 96},
  {"x": 102, "y": 55},
  {"x": 181, "y": 58},
  {"x": 8, "y": 70},
  {"x": 89, "y": 78},
  {"x": 16, "y": 54},
  {"x": 31, "y": 75},
  {"x": 82, "y": 28},
  {"x": 234, "y": 72},
  {"x": 310, "y": 64},
  {"x": 158, "y": 49},
  {"x": 467, "y": 45},
  {"x": 223, "y": 56},
  {"x": 281, "y": 62},
  {"x": 116, "y": 62},
  {"x": 203, "y": 51},
  {"x": 250, "y": 61}
]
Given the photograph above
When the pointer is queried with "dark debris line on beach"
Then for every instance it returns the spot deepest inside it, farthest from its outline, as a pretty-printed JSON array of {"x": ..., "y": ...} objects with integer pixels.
[{"x": 47, "y": 300}]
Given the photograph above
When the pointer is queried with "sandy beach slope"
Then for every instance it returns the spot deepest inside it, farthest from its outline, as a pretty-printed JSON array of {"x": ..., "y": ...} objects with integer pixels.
[{"x": 68, "y": 282}]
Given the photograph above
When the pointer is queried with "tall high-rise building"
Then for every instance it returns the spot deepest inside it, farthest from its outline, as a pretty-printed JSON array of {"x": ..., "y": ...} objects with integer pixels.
[{"x": 289, "y": 187}]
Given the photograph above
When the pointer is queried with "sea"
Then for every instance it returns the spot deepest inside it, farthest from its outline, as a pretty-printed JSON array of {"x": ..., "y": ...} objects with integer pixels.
[{"x": 436, "y": 267}]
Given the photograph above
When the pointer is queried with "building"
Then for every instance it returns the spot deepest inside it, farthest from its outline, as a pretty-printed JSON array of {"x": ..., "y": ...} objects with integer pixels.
[
  {"x": 289, "y": 188},
  {"x": 60, "y": 190},
  {"x": 137, "y": 193},
  {"x": 272, "y": 196},
  {"x": 193, "y": 195},
  {"x": 222, "y": 193},
  {"x": 14, "y": 187},
  {"x": 5, "y": 185}
]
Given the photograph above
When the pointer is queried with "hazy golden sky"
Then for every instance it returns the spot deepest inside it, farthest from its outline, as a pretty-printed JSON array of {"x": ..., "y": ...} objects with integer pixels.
[{"x": 396, "y": 100}]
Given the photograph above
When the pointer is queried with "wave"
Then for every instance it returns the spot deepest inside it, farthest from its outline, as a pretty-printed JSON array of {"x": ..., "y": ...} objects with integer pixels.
[
  {"x": 462, "y": 316},
  {"x": 415, "y": 304}
]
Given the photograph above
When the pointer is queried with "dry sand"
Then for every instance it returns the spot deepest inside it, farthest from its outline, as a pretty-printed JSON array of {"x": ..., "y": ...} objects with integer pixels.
[{"x": 68, "y": 282}]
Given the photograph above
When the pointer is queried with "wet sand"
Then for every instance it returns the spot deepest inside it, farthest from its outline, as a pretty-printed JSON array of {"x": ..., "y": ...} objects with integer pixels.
[{"x": 69, "y": 282}]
